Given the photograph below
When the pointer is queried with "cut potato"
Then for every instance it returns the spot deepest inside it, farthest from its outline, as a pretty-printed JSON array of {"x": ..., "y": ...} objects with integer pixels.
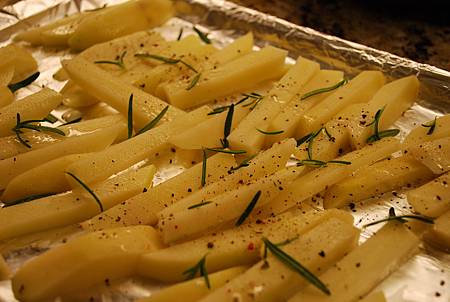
[
  {"x": 143, "y": 208},
  {"x": 73, "y": 207},
  {"x": 439, "y": 235},
  {"x": 246, "y": 136},
  {"x": 17, "y": 56},
  {"x": 119, "y": 20},
  {"x": 289, "y": 116},
  {"x": 116, "y": 93},
  {"x": 6, "y": 74},
  {"x": 209, "y": 133},
  {"x": 431, "y": 199},
  {"x": 423, "y": 134},
  {"x": 4, "y": 269},
  {"x": 194, "y": 290},
  {"x": 33, "y": 107},
  {"x": 273, "y": 280},
  {"x": 433, "y": 154},
  {"x": 6, "y": 96},
  {"x": 359, "y": 90},
  {"x": 321, "y": 179},
  {"x": 376, "y": 297},
  {"x": 96, "y": 141},
  {"x": 88, "y": 260},
  {"x": 263, "y": 165},
  {"x": 122, "y": 156},
  {"x": 75, "y": 97},
  {"x": 381, "y": 177},
  {"x": 232, "y": 247},
  {"x": 365, "y": 267},
  {"x": 240, "y": 74}
]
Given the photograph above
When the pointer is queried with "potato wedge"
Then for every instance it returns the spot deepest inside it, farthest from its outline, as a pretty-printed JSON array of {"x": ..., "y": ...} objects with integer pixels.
[
  {"x": 5, "y": 273},
  {"x": 73, "y": 207},
  {"x": 359, "y": 90},
  {"x": 423, "y": 134},
  {"x": 84, "y": 262},
  {"x": 195, "y": 289},
  {"x": 246, "y": 136},
  {"x": 143, "y": 208},
  {"x": 116, "y": 93},
  {"x": 381, "y": 177},
  {"x": 433, "y": 198},
  {"x": 123, "y": 155},
  {"x": 236, "y": 246},
  {"x": 366, "y": 266},
  {"x": 433, "y": 154},
  {"x": 439, "y": 235},
  {"x": 17, "y": 56},
  {"x": 375, "y": 297},
  {"x": 119, "y": 20},
  {"x": 209, "y": 133},
  {"x": 33, "y": 107},
  {"x": 273, "y": 280},
  {"x": 240, "y": 74},
  {"x": 6, "y": 96},
  {"x": 96, "y": 141}
]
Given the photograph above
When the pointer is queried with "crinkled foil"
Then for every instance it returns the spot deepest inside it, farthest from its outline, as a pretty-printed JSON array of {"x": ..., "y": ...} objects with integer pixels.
[{"x": 417, "y": 280}]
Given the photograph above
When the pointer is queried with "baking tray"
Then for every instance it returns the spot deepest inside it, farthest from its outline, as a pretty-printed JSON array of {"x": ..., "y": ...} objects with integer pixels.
[{"x": 419, "y": 279}]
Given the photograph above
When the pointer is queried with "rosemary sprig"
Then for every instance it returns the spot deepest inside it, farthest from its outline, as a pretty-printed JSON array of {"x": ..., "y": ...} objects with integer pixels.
[
  {"x": 130, "y": 116},
  {"x": 165, "y": 60},
  {"x": 295, "y": 266},
  {"x": 342, "y": 162},
  {"x": 244, "y": 163},
  {"x": 227, "y": 126},
  {"x": 431, "y": 125},
  {"x": 255, "y": 97},
  {"x": 323, "y": 90},
  {"x": 154, "y": 121},
  {"x": 203, "y": 36},
  {"x": 203, "y": 181},
  {"x": 249, "y": 209},
  {"x": 200, "y": 267},
  {"x": 27, "y": 199},
  {"x": 180, "y": 34},
  {"x": 401, "y": 218},
  {"x": 24, "y": 83},
  {"x": 118, "y": 62},
  {"x": 198, "y": 205},
  {"x": 311, "y": 140},
  {"x": 270, "y": 132},
  {"x": 377, "y": 133},
  {"x": 89, "y": 190},
  {"x": 220, "y": 150},
  {"x": 28, "y": 125},
  {"x": 320, "y": 163},
  {"x": 194, "y": 81}
]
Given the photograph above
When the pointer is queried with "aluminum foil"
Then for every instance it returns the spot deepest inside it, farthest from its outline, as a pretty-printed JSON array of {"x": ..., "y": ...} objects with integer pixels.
[{"x": 417, "y": 280}]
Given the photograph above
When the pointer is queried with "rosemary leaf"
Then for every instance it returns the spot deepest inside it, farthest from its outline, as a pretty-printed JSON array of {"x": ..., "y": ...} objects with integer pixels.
[
  {"x": 401, "y": 218},
  {"x": 323, "y": 90},
  {"x": 227, "y": 126},
  {"x": 270, "y": 132},
  {"x": 118, "y": 62},
  {"x": 200, "y": 267},
  {"x": 194, "y": 81},
  {"x": 383, "y": 134},
  {"x": 130, "y": 116},
  {"x": 311, "y": 162},
  {"x": 198, "y": 205},
  {"x": 244, "y": 163},
  {"x": 28, "y": 125},
  {"x": 342, "y": 162},
  {"x": 295, "y": 266},
  {"x": 227, "y": 151},
  {"x": 27, "y": 199},
  {"x": 24, "y": 83},
  {"x": 97, "y": 200},
  {"x": 180, "y": 34},
  {"x": 431, "y": 125},
  {"x": 249, "y": 209},
  {"x": 310, "y": 142},
  {"x": 203, "y": 36},
  {"x": 218, "y": 110},
  {"x": 203, "y": 181},
  {"x": 153, "y": 122},
  {"x": 165, "y": 60},
  {"x": 304, "y": 139}
]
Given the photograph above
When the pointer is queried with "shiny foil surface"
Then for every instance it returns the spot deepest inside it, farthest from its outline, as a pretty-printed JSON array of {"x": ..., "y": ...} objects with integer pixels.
[{"x": 417, "y": 280}]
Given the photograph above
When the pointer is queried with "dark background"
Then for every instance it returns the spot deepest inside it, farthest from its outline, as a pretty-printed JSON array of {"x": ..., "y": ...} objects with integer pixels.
[{"x": 419, "y": 30}]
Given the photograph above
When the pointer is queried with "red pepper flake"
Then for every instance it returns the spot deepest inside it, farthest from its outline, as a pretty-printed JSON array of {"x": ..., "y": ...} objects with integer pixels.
[{"x": 251, "y": 246}]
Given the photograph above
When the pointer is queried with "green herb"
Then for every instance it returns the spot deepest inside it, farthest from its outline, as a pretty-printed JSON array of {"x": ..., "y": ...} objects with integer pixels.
[
  {"x": 97, "y": 200},
  {"x": 226, "y": 151},
  {"x": 200, "y": 267},
  {"x": 255, "y": 97},
  {"x": 377, "y": 133},
  {"x": 227, "y": 126},
  {"x": 28, "y": 125},
  {"x": 118, "y": 62},
  {"x": 310, "y": 141},
  {"x": 203, "y": 181},
  {"x": 203, "y": 36},
  {"x": 166, "y": 60},
  {"x": 323, "y": 90},
  {"x": 295, "y": 266},
  {"x": 24, "y": 83},
  {"x": 153, "y": 122},
  {"x": 320, "y": 163},
  {"x": 252, "y": 95},
  {"x": 194, "y": 81},
  {"x": 330, "y": 137},
  {"x": 431, "y": 125},
  {"x": 304, "y": 139},
  {"x": 130, "y": 116},
  {"x": 51, "y": 118},
  {"x": 249, "y": 209},
  {"x": 244, "y": 163},
  {"x": 270, "y": 132},
  {"x": 27, "y": 199},
  {"x": 287, "y": 241},
  {"x": 342, "y": 162},
  {"x": 198, "y": 205},
  {"x": 180, "y": 34},
  {"x": 401, "y": 218},
  {"x": 218, "y": 110}
]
